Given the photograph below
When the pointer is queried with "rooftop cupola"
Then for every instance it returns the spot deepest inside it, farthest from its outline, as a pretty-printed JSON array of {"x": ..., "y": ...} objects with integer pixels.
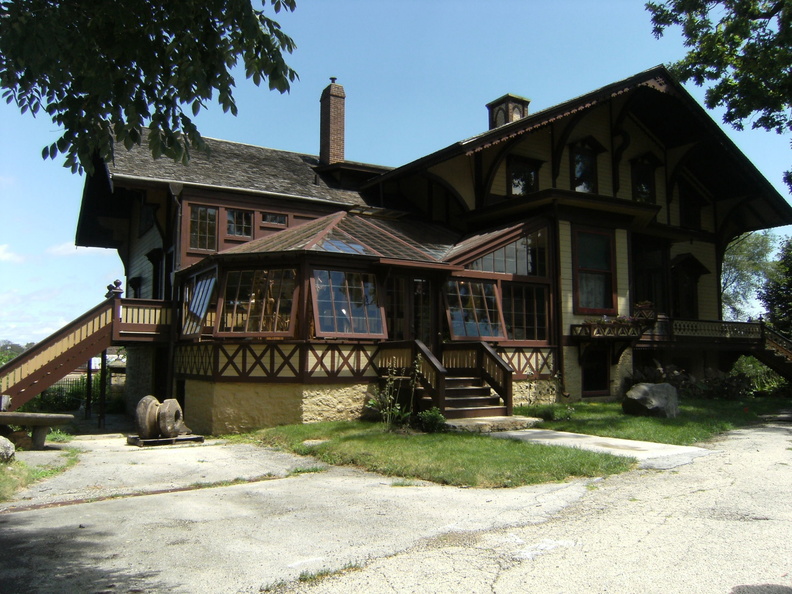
[
  {"x": 507, "y": 109},
  {"x": 331, "y": 137}
]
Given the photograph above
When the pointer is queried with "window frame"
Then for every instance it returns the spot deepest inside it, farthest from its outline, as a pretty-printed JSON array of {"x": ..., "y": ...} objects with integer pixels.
[
  {"x": 197, "y": 297},
  {"x": 516, "y": 163},
  {"x": 319, "y": 332},
  {"x": 577, "y": 269},
  {"x": 585, "y": 146},
  {"x": 500, "y": 336},
  {"x": 232, "y": 225},
  {"x": 221, "y": 330},
  {"x": 197, "y": 221},
  {"x": 644, "y": 165}
]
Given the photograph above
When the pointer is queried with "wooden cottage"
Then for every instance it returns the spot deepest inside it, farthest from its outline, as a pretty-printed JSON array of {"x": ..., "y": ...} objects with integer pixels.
[{"x": 545, "y": 258}]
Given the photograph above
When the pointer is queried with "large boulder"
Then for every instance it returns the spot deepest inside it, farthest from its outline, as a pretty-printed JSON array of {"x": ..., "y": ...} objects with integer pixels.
[
  {"x": 7, "y": 450},
  {"x": 652, "y": 400}
]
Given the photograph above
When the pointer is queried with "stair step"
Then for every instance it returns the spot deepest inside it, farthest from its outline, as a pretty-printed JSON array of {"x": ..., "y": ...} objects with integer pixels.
[{"x": 470, "y": 412}]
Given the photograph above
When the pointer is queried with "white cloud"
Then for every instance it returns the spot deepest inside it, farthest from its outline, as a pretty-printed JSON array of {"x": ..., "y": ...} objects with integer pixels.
[
  {"x": 7, "y": 182},
  {"x": 69, "y": 249},
  {"x": 6, "y": 255}
]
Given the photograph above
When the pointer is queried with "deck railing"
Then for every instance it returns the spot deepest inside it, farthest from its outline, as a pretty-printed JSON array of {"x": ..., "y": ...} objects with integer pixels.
[{"x": 142, "y": 320}]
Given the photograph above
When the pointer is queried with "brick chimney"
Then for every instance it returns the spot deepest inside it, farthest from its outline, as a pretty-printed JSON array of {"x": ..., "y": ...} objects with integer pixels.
[
  {"x": 331, "y": 135},
  {"x": 506, "y": 110}
]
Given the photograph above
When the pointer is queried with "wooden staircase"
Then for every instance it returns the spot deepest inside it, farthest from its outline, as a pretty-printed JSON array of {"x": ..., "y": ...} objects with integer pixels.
[
  {"x": 775, "y": 351},
  {"x": 471, "y": 381},
  {"x": 467, "y": 396},
  {"x": 113, "y": 322}
]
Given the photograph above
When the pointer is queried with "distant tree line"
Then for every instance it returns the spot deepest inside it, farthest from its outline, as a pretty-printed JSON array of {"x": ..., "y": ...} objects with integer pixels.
[{"x": 9, "y": 350}]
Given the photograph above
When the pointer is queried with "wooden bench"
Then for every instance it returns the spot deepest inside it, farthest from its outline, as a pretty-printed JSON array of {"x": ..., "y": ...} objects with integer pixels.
[{"x": 39, "y": 423}]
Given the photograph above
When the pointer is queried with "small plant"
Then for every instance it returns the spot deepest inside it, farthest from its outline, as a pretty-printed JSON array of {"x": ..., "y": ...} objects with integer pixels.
[
  {"x": 431, "y": 421},
  {"x": 388, "y": 399}
]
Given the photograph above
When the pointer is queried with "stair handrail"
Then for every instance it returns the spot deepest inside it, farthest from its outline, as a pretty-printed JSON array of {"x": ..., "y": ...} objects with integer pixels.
[
  {"x": 498, "y": 374},
  {"x": 431, "y": 372},
  {"x": 777, "y": 341},
  {"x": 44, "y": 346}
]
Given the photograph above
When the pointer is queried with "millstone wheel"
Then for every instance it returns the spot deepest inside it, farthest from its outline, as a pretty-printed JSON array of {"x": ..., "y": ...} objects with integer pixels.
[
  {"x": 146, "y": 417},
  {"x": 170, "y": 418}
]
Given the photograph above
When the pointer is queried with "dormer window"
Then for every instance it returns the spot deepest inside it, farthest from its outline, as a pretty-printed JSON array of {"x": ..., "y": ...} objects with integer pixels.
[
  {"x": 643, "y": 179},
  {"x": 522, "y": 176},
  {"x": 583, "y": 165}
]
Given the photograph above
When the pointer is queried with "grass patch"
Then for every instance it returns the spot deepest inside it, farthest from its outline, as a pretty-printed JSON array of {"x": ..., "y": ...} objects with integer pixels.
[
  {"x": 17, "y": 474},
  {"x": 698, "y": 420},
  {"x": 445, "y": 458}
]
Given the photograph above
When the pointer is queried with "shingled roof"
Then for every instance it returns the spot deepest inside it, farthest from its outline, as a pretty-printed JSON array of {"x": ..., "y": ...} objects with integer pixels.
[
  {"x": 356, "y": 235},
  {"x": 234, "y": 166}
]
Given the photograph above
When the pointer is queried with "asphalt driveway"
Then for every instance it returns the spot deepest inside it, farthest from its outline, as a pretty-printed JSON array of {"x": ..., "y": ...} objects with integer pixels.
[{"x": 128, "y": 519}]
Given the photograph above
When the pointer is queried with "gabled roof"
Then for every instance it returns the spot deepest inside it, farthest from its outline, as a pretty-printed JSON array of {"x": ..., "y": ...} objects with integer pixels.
[
  {"x": 234, "y": 166},
  {"x": 667, "y": 111},
  {"x": 657, "y": 77}
]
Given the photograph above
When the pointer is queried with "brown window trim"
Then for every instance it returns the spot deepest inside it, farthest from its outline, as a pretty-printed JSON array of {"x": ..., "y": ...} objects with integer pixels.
[
  {"x": 577, "y": 309},
  {"x": 319, "y": 334}
]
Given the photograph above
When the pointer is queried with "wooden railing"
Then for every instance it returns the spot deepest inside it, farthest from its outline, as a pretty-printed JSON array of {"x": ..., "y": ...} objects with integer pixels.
[
  {"x": 114, "y": 321},
  {"x": 94, "y": 325},
  {"x": 717, "y": 329},
  {"x": 142, "y": 320},
  {"x": 777, "y": 342},
  {"x": 431, "y": 372}
]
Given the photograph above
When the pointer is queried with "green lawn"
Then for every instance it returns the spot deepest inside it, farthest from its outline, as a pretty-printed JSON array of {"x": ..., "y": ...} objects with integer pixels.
[
  {"x": 445, "y": 458},
  {"x": 698, "y": 420}
]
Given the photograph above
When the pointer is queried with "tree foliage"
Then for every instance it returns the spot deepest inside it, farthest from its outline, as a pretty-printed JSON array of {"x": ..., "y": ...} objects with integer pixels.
[
  {"x": 743, "y": 50},
  {"x": 776, "y": 294},
  {"x": 107, "y": 70},
  {"x": 743, "y": 272},
  {"x": 9, "y": 350}
]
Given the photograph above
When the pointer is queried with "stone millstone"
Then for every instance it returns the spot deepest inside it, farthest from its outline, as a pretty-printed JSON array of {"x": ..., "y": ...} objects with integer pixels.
[
  {"x": 146, "y": 417},
  {"x": 651, "y": 400},
  {"x": 170, "y": 418}
]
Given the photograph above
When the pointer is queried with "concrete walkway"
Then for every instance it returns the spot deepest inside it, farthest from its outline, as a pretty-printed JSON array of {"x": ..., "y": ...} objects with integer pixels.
[{"x": 648, "y": 454}]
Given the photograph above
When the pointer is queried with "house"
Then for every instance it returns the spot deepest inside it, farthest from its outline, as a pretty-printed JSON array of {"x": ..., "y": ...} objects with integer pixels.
[{"x": 545, "y": 258}]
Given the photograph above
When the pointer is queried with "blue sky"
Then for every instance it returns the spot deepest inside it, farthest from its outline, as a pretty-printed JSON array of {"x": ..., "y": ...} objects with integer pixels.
[{"x": 417, "y": 76}]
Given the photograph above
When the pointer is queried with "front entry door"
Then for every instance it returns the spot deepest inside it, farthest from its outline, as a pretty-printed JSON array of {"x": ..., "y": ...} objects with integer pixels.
[{"x": 409, "y": 307}]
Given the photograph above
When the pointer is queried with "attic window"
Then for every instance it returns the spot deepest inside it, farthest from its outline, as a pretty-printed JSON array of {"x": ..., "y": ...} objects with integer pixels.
[
  {"x": 643, "y": 178},
  {"x": 274, "y": 219},
  {"x": 583, "y": 165},
  {"x": 522, "y": 176}
]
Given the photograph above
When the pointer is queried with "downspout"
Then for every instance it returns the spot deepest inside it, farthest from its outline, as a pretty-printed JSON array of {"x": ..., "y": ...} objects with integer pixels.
[{"x": 170, "y": 374}]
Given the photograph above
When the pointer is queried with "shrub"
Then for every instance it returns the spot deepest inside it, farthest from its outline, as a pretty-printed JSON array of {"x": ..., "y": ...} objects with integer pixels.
[
  {"x": 431, "y": 421},
  {"x": 713, "y": 385}
]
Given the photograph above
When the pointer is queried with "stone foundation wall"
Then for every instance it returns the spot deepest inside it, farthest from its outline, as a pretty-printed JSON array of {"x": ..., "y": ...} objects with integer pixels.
[
  {"x": 335, "y": 402},
  {"x": 528, "y": 392}
]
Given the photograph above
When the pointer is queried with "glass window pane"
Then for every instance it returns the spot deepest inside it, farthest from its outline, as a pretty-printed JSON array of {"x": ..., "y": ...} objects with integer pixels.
[
  {"x": 347, "y": 303},
  {"x": 594, "y": 251}
]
